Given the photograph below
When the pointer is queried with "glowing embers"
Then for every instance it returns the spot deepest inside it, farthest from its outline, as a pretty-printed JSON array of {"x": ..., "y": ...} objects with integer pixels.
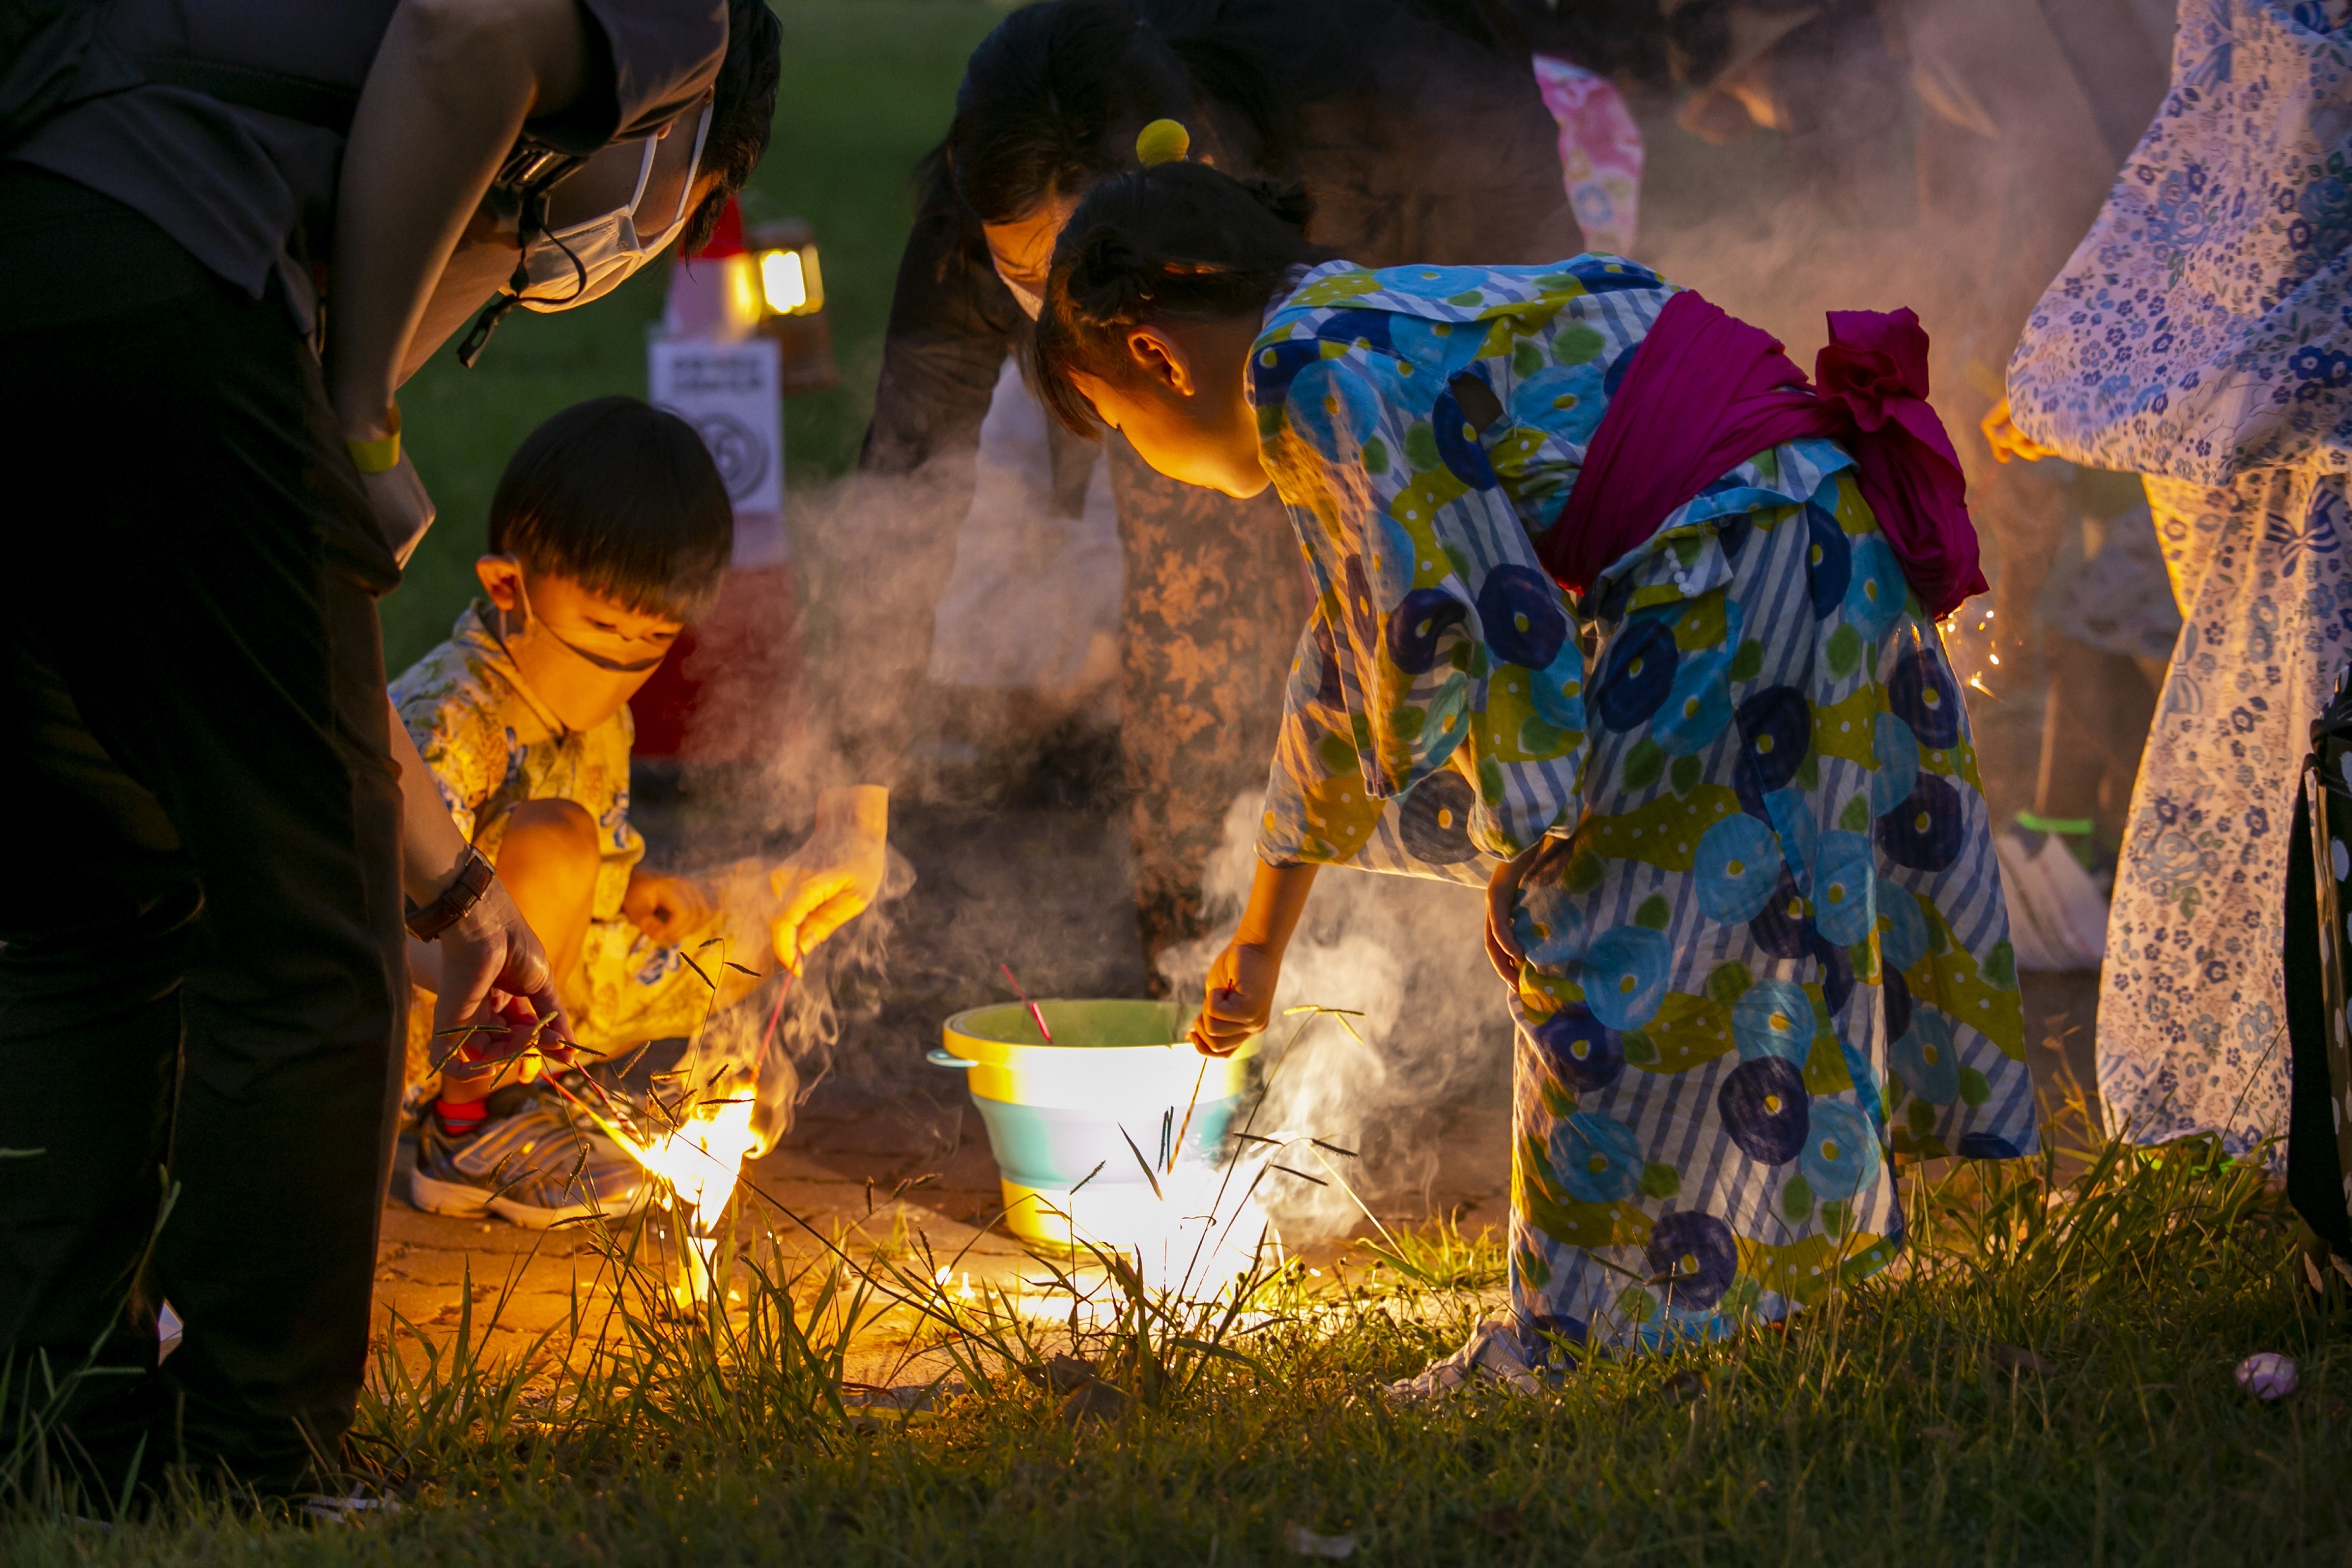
[{"x": 699, "y": 1159}]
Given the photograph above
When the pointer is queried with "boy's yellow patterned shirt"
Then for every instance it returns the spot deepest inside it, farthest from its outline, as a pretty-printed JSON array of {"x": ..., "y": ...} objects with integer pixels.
[{"x": 492, "y": 745}]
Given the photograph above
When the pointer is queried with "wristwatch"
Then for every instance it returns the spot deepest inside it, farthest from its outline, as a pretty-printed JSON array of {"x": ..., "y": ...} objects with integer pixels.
[{"x": 427, "y": 921}]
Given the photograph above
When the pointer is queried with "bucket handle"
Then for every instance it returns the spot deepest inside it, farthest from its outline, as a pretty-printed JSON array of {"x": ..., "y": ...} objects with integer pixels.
[{"x": 940, "y": 1057}]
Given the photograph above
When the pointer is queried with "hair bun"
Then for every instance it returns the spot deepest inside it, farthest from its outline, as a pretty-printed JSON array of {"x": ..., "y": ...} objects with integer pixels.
[
  {"x": 1161, "y": 142},
  {"x": 1286, "y": 200}
]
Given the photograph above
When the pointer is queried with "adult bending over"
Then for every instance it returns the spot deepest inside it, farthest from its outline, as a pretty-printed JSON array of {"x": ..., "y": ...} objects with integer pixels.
[
  {"x": 202, "y": 974},
  {"x": 1422, "y": 138},
  {"x": 1741, "y": 881}
]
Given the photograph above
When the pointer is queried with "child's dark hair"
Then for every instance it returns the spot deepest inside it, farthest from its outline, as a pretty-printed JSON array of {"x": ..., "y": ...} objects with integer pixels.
[
  {"x": 1177, "y": 242},
  {"x": 742, "y": 109},
  {"x": 622, "y": 499}
]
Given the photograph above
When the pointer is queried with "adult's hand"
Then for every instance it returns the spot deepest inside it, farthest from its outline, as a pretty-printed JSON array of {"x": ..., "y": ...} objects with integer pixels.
[
  {"x": 493, "y": 971},
  {"x": 496, "y": 980},
  {"x": 2001, "y": 434},
  {"x": 835, "y": 876}
]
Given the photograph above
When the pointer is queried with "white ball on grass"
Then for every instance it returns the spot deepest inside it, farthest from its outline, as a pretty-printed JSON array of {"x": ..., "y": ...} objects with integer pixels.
[{"x": 2267, "y": 1375}]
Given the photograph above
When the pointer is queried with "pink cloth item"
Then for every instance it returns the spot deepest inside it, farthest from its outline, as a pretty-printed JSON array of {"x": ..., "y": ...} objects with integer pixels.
[
  {"x": 1599, "y": 153},
  {"x": 1707, "y": 392}
]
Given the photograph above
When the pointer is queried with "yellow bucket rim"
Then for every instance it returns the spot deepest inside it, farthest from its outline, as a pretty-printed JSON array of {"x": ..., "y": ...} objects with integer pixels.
[{"x": 990, "y": 1036}]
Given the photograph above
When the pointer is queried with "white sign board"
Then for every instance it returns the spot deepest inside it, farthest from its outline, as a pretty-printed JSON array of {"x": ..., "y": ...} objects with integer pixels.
[{"x": 728, "y": 392}]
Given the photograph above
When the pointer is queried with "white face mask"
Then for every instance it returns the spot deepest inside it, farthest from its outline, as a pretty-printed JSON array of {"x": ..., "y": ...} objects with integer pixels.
[
  {"x": 1032, "y": 303},
  {"x": 586, "y": 261}
]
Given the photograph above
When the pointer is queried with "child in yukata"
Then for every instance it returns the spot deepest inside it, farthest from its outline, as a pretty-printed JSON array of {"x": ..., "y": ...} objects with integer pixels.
[
  {"x": 610, "y": 531},
  {"x": 1741, "y": 884}
]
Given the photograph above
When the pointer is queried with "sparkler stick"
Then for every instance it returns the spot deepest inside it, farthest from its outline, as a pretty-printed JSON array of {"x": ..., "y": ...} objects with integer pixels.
[
  {"x": 1035, "y": 1011},
  {"x": 768, "y": 1037},
  {"x": 629, "y": 1136},
  {"x": 1176, "y": 1150}
]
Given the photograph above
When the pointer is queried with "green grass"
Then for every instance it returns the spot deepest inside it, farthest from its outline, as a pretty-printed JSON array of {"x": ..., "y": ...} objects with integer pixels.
[
  {"x": 867, "y": 89},
  {"x": 2051, "y": 1382}
]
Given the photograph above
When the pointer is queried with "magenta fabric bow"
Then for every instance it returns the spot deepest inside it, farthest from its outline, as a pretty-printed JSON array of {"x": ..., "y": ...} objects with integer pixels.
[{"x": 1707, "y": 392}]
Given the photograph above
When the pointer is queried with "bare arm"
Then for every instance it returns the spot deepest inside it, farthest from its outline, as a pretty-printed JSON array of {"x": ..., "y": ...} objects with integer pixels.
[
  {"x": 1242, "y": 981},
  {"x": 451, "y": 87},
  {"x": 491, "y": 956}
]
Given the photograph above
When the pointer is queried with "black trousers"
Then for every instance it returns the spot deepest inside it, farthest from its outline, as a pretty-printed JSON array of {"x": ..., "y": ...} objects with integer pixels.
[{"x": 202, "y": 982}]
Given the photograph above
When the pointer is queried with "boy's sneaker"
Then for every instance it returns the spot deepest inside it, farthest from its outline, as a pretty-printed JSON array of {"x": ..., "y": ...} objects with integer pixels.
[{"x": 528, "y": 1166}]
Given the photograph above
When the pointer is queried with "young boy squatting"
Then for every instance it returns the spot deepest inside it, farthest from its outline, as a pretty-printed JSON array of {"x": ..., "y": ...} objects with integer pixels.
[{"x": 609, "y": 532}]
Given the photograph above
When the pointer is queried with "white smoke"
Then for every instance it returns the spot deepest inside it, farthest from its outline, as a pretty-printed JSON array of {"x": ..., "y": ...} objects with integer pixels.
[{"x": 1432, "y": 1038}]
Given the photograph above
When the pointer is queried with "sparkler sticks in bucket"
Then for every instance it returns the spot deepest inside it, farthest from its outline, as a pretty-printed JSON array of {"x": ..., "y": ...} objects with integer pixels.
[{"x": 1034, "y": 1010}]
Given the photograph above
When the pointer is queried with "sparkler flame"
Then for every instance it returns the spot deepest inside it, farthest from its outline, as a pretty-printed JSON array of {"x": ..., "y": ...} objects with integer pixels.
[{"x": 701, "y": 1158}]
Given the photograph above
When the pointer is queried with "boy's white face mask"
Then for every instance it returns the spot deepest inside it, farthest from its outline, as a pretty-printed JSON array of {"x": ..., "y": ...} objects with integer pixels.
[{"x": 584, "y": 261}]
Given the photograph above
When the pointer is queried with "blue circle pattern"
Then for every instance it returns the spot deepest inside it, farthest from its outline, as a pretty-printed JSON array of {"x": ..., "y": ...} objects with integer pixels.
[
  {"x": 1830, "y": 559},
  {"x": 1927, "y": 831},
  {"x": 1801, "y": 833},
  {"x": 1773, "y": 1018},
  {"x": 1520, "y": 615},
  {"x": 1598, "y": 1158},
  {"x": 1562, "y": 916},
  {"x": 1738, "y": 866},
  {"x": 1625, "y": 974},
  {"x": 1844, "y": 891},
  {"x": 1335, "y": 407},
  {"x": 1581, "y": 1048},
  {"x": 1419, "y": 623},
  {"x": 1458, "y": 446},
  {"x": 1875, "y": 596},
  {"x": 1697, "y": 707},
  {"x": 1537, "y": 401},
  {"x": 1765, "y": 1108},
  {"x": 1841, "y": 1155},
  {"x": 1896, "y": 750},
  {"x": 1923, "y": 695},
  {"x": 1926, "y": 1057},
  {"x": 1905, "y": 940},
  {"x": 1698, "y": 1256},
  {"x": 1635, "y": 674}
]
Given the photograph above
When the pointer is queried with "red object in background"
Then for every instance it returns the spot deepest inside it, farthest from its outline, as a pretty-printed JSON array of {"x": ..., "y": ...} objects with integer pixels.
[
  {"x": 726, "y": 237},
  {"x": 725, "y": 693},
  {"x": 729, "y": 681}
]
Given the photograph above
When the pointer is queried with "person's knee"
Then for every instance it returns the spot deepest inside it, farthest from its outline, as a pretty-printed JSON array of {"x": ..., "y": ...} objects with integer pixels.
[{"x": 549, "y": 839}]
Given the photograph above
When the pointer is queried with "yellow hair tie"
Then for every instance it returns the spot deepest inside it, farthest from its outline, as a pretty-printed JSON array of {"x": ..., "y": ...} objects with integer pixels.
[
  {"x": 1161, "y": 142},
  {"x": 378, "y": 456}
]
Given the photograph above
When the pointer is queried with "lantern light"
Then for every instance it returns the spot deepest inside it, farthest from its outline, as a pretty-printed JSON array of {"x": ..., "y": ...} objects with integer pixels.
[
  {"x": 792, "y": 302},
  {"x": 790, "y": 284}
]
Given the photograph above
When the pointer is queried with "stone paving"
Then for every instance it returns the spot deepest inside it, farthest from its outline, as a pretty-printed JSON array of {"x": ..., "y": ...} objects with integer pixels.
[{"x": 886, "y": 1152}]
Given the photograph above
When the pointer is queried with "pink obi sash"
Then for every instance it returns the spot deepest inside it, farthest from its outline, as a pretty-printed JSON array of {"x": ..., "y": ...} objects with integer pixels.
[{"x": 1707, "y": 392}]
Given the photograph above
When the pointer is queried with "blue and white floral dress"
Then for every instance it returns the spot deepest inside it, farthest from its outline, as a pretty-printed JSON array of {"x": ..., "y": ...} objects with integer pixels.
[
  {"x": 1768, "y": 946},
  {"x": 2202, "y": 336}
]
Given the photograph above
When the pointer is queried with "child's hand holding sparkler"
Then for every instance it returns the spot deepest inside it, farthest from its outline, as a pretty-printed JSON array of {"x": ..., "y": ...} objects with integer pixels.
[
  {"x": 1240, "y": 996},
  {"x": 831, "y": 879}
]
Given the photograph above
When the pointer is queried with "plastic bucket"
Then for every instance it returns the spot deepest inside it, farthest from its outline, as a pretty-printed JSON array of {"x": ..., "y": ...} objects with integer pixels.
[{"x": 1061, "y": 1115}]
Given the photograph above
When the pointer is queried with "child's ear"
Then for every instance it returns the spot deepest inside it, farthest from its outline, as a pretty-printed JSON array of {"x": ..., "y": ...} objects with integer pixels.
[
  {"x": 501, "y": 577},
  {"x": 1161, "y": 361}
]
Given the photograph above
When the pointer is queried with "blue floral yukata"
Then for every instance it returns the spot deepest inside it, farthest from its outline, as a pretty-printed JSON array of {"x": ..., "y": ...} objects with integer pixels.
[{"x": 1766, "y": 943}]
